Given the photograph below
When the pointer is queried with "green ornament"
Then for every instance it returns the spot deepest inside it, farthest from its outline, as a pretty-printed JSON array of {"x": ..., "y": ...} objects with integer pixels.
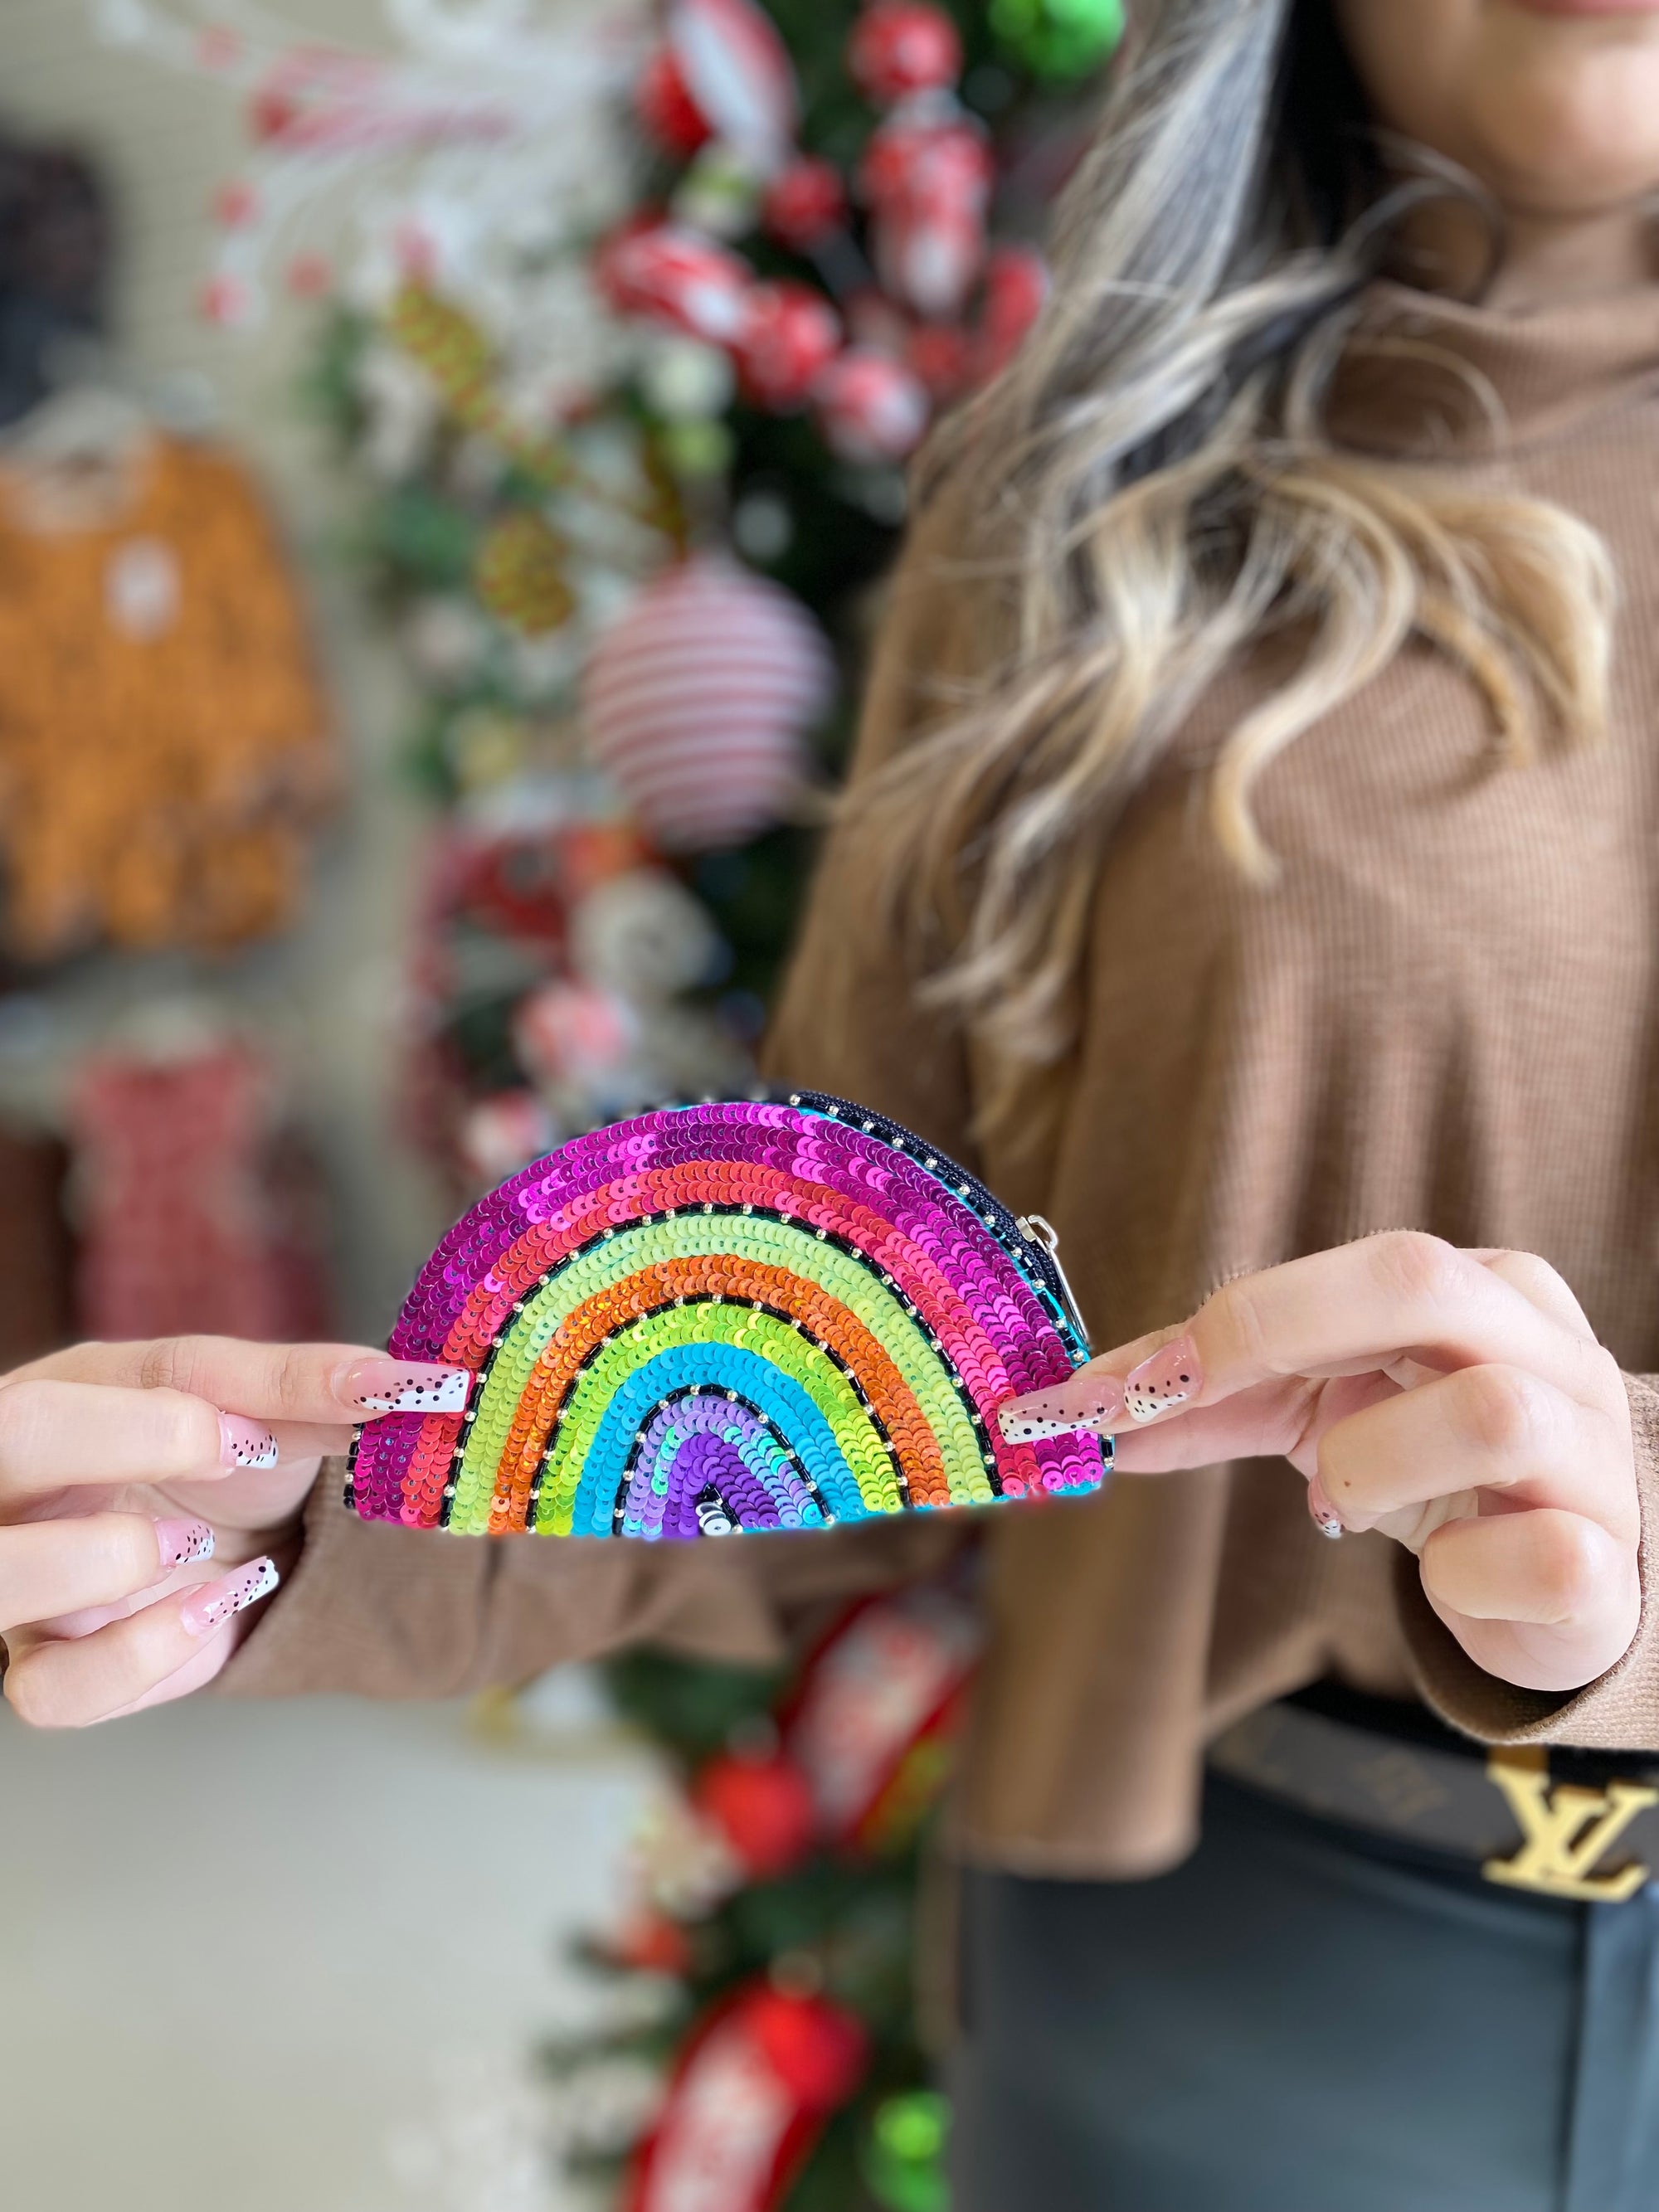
[
  {"x": 1059, "y": 37},
  {"x": 904, "y": 2153}
]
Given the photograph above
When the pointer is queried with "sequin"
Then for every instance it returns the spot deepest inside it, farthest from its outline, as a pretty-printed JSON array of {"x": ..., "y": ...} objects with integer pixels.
[{"x": 744, "y": 1315}]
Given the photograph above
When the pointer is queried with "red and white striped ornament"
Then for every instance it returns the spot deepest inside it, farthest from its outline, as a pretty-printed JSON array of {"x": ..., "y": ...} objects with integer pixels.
[
  {"x": 676, "y": 276},
  {"x": 663, "y": 102},
  {"x": 928, "y": 181},
  {"x": 755, "y": 2082},
  {"x": 870, "y": 407},
  {"x": 697, "y": 700},
  {"x": 737, "y": 70}
]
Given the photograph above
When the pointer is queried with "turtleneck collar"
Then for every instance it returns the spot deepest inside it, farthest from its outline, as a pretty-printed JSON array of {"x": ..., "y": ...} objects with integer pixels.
[{"x": 1428, "y": 377}]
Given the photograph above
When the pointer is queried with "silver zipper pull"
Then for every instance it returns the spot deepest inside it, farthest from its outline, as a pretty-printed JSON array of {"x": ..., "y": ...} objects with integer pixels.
[{"x": 1039, "y": 1232}]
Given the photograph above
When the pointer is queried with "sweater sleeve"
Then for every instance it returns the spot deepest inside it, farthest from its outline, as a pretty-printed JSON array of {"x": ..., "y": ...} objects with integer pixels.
[
  {"x": 1619, "y": 1711},
  {"x": 398, "y": 1612},
  {"x": 405, "y": 1612}
]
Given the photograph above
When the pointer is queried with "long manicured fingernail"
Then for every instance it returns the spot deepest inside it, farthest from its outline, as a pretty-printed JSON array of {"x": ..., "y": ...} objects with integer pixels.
[
  {"x": 243, "y": 1443},
  {"x": 1171, "y": 1378},
  {"x": 1045, "y": 1414},
  {"x": 1325, "y": 1516},
  {"x": 213, "y": 1604},
  {"x": 179, "y": 1542},
  {"x": 408, "y": 1385}
]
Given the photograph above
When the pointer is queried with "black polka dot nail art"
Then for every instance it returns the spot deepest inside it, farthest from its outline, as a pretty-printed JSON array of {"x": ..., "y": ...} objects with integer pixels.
[{"x": 1171, "y": 1378}]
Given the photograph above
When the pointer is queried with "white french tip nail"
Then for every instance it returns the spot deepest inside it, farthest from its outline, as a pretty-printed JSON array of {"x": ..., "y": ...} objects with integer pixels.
[{"x": 448, "y": 1396}]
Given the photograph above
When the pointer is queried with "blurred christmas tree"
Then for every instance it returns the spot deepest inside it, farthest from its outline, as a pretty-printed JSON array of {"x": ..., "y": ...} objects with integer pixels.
[{"x": 628, "y": 323}]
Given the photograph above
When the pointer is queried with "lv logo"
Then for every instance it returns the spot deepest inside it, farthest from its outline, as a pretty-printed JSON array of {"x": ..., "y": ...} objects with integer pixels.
[{"x": 1567, "y": 1831}]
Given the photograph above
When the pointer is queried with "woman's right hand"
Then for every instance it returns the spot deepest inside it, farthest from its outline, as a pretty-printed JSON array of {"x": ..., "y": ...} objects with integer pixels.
[{"x": 150, "y": 1494}]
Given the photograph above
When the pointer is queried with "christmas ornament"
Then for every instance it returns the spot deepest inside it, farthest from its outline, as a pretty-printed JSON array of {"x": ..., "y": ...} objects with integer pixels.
[
  {"x": 928, "y": 181},
  {"x": 1059, "y": 37},
  {"x": 739, "y": 1316},
  {"x": 944, "y": 356},
  {"x": 666, "y": 108},
  {"x": 870, "y": 407},
  {"x": 521, "y": 575},
  {"x": 1016, "y": 286},
  {"x": 696, "y": 698},
  {"x": 642, "y": 934},
  {"x": 804, "y": 203},
  {"x": 675, "y": 275},
  {"x": 874, "y": 1716},
  {"x": 762, "y": 1808},
  {"x": 756, "y": 2081},
  {"x": 738, "y": 72},
  {"x": 573, "y": 1035},
  {"x": 902, "y": 48},
  {"x": 904, "y": 2155},
  {"x": 789, "y": 335}
]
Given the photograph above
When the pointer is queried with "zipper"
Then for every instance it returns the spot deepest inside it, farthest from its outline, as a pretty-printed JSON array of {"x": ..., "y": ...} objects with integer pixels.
[{"x": 1031, "y": 1242}]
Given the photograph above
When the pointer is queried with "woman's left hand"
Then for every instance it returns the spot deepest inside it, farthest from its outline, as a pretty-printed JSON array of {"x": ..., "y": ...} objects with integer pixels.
[{"x": 1458, "y": 1400}]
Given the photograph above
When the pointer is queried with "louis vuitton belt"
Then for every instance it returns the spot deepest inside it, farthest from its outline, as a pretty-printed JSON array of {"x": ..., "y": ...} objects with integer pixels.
[{"x": 1563, "y": 1825}]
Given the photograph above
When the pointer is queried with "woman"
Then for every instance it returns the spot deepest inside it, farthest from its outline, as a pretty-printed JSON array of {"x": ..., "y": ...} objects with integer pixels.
[{"x": 1259, "y": 786}]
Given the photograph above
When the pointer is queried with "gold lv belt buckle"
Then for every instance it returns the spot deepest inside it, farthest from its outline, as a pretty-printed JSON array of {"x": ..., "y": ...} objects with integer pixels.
[{"x": 1566, "y": 1831}]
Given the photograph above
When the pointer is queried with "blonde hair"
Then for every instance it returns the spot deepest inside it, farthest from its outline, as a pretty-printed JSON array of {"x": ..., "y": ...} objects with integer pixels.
[{"x": 1153, "y": 469}]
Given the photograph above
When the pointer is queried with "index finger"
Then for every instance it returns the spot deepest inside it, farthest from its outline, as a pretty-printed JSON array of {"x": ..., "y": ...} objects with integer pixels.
[
  {"x": 1371, "y": 1305},
  {"x": 1379, "y": 1304},
  {"x": 319, "y": 1385}
]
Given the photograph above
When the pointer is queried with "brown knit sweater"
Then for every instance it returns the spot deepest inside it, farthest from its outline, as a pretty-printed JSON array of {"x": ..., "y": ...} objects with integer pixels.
[{"x": 1443, "y": 1015}]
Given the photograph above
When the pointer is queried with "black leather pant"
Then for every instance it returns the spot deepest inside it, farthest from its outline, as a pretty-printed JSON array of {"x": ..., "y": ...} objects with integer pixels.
[{"x": 1301, "y": 2020}]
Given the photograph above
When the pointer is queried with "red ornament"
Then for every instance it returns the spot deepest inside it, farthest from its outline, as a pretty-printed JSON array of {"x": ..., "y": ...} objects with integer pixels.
[
  {"x": 871, "y": 1722},
  {"x": 870, "y": 407},
  {"x": 665, "y": 107},
  {"x": 762, "y": 1808},
  {"x": 755, "y": 2081},
  {"x": 736, "y": 72},
  {"x": 789, "y": 333},
  {"x": 902, "y": 47},
  {"x": 804, "y": 202},
  {"x": 1016, "y": 286},
  {"x": 816, "y": 2049},
  {"x": 928, "y": 184},
  {"x": 943, "y": 356},
  {"x": 696, "y": 700},
  {"x": 676, "y": 276}
]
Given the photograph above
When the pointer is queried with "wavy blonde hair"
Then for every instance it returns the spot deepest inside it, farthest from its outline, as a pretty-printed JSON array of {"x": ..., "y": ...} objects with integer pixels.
[{"x": 1152, "y": 469}]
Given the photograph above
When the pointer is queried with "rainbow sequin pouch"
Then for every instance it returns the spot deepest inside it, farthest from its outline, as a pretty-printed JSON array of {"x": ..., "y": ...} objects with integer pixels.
[{"x": 750, "y": 1314}]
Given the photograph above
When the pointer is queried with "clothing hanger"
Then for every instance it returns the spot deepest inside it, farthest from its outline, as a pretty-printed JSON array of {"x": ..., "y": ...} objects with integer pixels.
[{"x": 75, "y": 461}]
